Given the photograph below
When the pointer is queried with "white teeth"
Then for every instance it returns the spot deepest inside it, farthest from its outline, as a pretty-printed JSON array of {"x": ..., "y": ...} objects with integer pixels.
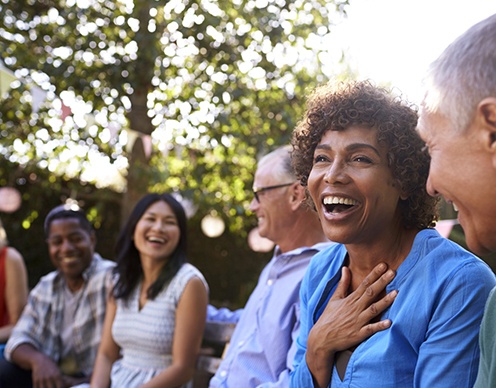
[
  {"x": 331, "y": 200},
  {"x": 455, "y": 207},
  {"x": 156, "y": 239},
  {"x": 69, "y": 259}
]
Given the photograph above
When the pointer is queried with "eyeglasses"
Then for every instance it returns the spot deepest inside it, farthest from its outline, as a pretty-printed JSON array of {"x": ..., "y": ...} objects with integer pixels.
[{"x": 257, "y": 190}]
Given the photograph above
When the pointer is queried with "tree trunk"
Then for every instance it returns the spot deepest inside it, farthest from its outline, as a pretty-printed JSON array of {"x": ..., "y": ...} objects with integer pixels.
[{"x": 137, "y": 178}]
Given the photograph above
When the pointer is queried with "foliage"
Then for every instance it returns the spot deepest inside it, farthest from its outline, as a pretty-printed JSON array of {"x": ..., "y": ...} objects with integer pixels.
[
  {"x": 41, "y": 191},
  {"x": 215, "y": 83}
]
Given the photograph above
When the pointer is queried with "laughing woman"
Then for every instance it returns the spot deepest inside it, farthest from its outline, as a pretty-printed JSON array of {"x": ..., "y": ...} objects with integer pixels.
[
  {"x": 157, "y": 310},
  {"x": 395, "y": 304}
]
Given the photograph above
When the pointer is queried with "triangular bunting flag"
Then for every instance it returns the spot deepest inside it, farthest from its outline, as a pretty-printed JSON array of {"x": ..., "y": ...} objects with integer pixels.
[{"x": 6, "y": 78}]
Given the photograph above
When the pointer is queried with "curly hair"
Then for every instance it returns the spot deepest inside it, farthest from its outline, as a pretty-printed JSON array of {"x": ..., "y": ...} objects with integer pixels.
[{"x": 338, "y": 106}]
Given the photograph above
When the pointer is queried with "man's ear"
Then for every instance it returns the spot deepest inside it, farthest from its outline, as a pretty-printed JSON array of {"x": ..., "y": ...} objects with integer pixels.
[
  {"x": 297, "y": 195},
  {"x": 486, "y": 110}
]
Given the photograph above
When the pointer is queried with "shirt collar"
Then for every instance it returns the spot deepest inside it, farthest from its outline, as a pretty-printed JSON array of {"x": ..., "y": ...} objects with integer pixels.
[
  {"x": 86, "y": 273},
  {"x": 316, "y": 247}
]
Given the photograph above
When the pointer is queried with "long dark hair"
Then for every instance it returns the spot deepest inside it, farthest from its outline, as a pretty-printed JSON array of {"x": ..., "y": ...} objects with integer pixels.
[{"x": 128, "y": 266}]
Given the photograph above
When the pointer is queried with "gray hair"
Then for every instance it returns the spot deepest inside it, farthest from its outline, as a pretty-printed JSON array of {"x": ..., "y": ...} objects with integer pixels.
[
  {"x": 463, "y": 75},
  {"x": 281, "y": 159}
]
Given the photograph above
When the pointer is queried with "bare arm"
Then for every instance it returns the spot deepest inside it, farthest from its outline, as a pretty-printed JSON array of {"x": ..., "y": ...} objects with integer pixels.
[
  {"x": 45, "y": 372},
  {"x": 16, "y": 290},
  {"x": 108, "y": 352},
  {"x": 190, "y": 323},
  {"x": 345, "y": 321}
]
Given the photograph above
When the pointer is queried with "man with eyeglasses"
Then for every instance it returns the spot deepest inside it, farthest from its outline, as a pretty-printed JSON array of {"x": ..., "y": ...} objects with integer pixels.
[{"x": 262, "y": 348}]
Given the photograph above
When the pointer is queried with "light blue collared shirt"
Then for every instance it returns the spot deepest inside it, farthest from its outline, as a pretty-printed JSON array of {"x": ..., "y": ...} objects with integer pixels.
[
  {"x": 262, "y": 347},
  {"x": 486, "y": 376},
  {"x": 433, "y": 339}
]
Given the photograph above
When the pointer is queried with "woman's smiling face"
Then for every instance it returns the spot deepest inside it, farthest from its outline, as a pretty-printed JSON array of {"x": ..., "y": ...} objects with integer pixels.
[
  {"x": 352, "y": 186},
  {"x": 157, "y": 232}
]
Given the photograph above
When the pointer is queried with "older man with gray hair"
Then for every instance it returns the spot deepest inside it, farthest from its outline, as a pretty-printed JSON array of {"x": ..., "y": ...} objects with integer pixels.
[
  {"x": 262, "y": 347},
  {"x": 458, "y": 124}
]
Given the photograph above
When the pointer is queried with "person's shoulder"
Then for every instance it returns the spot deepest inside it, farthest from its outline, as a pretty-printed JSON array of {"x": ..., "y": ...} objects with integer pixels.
[
  {"x": 14, "y": 255},
  {"x": 430, "y": 242},
  {"x": 14, "y": 259},
  {"x": 491, "y": 301},
  {"x": 189, "y": 270},
  {"x": 188, "y": 267},
  {"x": 100, "y": 273},
  {"x": 448, "y": 257},
  {"x": 46, "y": 285},
  {"x": 102, "y": 264},
  {"x": 184, "y": 275},
  {"x": 48, "y": 278}
]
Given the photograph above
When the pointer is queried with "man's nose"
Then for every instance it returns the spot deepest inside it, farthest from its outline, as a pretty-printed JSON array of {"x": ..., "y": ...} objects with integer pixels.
[
  {"x": 254, "y": 204},
  {"x": 430, "y": 187},
  {"x": 67, "y": 245}
]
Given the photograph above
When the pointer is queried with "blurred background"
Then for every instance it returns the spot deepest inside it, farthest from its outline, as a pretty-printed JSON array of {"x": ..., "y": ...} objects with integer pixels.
[{"x": 102, "y": 101}]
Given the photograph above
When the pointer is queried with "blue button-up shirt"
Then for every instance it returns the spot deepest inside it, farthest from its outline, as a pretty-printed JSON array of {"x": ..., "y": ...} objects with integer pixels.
[
  {"x": 262, "y": 348},
  {"x": 433, "y": 339}
]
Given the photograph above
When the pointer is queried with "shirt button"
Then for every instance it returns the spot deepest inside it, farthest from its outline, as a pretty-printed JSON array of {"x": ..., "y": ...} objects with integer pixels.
[
  {"x": 223, "y": 373},
  {"x": 269, "y": 282},
  {"x": 240, "y": 343}
]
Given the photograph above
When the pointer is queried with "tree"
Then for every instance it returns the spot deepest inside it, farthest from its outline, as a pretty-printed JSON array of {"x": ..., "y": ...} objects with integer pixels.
[{"x": 213, "y": 83}]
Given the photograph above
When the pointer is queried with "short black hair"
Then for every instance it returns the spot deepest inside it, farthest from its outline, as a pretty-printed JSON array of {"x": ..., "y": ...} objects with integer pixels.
[{"x": 67, "y": 211}]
